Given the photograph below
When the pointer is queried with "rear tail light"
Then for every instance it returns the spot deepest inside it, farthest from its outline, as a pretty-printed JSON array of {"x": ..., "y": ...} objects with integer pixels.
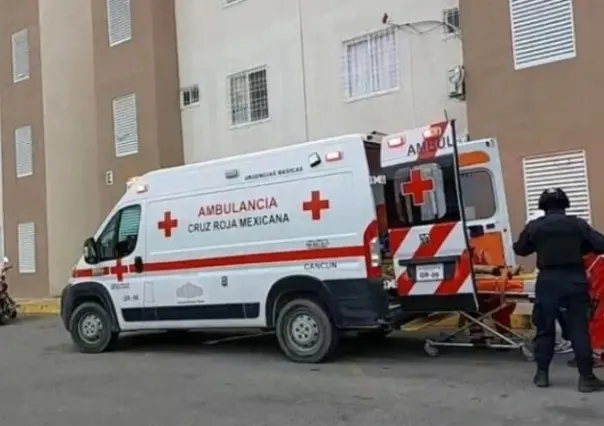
[{"x": 375, "y": 256}]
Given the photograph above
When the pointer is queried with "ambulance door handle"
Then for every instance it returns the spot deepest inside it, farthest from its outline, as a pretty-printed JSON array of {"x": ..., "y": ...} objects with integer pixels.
[{"x": 138, "y": 264}]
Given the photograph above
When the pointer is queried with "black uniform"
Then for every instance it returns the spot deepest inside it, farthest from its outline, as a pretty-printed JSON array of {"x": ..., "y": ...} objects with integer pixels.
[{"x": 560, "y": 242}]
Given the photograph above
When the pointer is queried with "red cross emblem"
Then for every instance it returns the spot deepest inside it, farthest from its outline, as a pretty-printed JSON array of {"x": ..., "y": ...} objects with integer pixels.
[
  {"x": 167, "y": 224},
  {"x": 119, "y": 270},
  {"x": 315, "y": 205},
  {"x": 417, "y": 187}
]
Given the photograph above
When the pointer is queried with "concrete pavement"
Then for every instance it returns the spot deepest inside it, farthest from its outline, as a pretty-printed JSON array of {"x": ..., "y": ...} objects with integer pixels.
[{"x": 161, "y": 380}]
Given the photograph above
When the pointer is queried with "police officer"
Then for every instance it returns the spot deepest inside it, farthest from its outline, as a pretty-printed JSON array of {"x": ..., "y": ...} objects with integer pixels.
[{"x": 560, "y": 241}]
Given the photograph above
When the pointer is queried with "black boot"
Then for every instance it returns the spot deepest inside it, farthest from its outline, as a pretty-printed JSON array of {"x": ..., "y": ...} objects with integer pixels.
[
  {"x": 541, "y": 379},
  {"x": 591, "y": 383}
]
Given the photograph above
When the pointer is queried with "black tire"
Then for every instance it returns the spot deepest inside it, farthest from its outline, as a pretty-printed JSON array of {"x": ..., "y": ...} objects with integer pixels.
[
  {"x": 104, "y": 340},
  {"x": 312, "y": 322}
]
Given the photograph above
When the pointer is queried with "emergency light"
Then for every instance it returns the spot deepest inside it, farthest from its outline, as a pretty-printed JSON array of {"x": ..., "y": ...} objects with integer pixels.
[
  {"x": 396, "y": 142},
  {"x": 333, "y": 156},
  {"x": 140, "y": 187},
  {"x": 433, "y": 132}
]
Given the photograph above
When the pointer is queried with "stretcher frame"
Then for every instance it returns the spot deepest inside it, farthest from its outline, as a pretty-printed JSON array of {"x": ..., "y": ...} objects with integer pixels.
[{"x": 511, "y": 340}]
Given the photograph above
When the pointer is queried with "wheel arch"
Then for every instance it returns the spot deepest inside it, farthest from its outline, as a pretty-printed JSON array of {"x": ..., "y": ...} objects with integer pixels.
[
  {"x": 287, "y": 287},
  {"x": 91, "y": 291}
]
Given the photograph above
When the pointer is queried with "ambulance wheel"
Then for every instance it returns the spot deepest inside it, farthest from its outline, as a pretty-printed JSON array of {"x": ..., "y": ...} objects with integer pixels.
[
  {"x": 90, "y": 328},
  {"x": 305, "y": 332},
  {"x": 431, "y": 350},
  {"x": 527, "y": 352}
]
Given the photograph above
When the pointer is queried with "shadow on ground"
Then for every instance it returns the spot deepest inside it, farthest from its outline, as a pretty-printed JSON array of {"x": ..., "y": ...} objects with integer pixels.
[{"x": 398, "y": 346}]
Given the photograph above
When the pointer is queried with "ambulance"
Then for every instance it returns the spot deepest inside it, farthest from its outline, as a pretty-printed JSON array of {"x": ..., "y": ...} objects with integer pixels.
[{"x": 297, "y": 240}]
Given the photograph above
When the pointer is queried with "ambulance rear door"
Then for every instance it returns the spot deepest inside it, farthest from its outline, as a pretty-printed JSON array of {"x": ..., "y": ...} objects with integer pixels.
[
  {"x": 485, "y": 202},
  {"x": 426, "y": 224}
]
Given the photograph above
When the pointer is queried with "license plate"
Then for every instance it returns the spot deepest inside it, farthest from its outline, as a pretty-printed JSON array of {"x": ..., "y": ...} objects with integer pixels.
[{"x": 432, "y": 272}]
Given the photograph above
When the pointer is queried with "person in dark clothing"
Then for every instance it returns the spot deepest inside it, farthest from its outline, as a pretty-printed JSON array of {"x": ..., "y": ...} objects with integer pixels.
[{"x": 560, "y": 242}]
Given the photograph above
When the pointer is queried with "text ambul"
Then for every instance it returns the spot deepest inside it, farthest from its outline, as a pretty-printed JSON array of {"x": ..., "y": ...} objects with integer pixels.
[{"x": 430, "y": 145}]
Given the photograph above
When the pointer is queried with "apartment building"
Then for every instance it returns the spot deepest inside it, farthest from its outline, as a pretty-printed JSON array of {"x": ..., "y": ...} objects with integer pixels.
[
  {"x": 535, "y": 82},
  {"x": 88, "y": 98},
  {"x": 257, "y": 74}
]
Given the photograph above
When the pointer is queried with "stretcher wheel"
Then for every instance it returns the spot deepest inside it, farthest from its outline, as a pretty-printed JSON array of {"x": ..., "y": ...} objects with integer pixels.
[
  {"x": 430, "y": 349},
  {"x": 527, "y": 352}
]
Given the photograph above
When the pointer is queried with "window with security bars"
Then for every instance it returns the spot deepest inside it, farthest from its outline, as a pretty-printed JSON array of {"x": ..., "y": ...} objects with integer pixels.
[
  {"x": 119, "y": 21},
  {"x": 20, "y": 48},
  {"x": 371, "y": 64},
  {"x": 189, "y": 96},
  {"x": 248, "y": 97},
  {"x": 125, "y": 125},
  {"x": 451, "y": 20},
  {"x": 24, "y": 155},
  {"x": 543, "y": 31},
  {"x": 26, "y": 241}
]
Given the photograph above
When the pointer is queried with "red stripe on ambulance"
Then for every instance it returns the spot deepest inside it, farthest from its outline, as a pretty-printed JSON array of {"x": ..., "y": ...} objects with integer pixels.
[
  {"x": 236, "y": 260},
  {"x": 438, "y": 236},
  {"x": 463, "y": 271}
]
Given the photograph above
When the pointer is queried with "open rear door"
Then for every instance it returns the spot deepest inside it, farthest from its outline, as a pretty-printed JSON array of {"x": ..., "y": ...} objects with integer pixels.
[{"x": 427, "y": 230}]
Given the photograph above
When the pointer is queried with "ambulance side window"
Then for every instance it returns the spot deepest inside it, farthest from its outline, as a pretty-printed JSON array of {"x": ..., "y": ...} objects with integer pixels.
[
  {"x": 478, "y": 194},
  {"x": 422, "y": 194},
  {"x": 120, "y": 236},
  {"x": 105, "y": 242}
]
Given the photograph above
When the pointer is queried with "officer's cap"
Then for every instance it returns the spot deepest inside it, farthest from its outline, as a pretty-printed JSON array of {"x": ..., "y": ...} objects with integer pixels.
[{"x": 553, "y": 198}]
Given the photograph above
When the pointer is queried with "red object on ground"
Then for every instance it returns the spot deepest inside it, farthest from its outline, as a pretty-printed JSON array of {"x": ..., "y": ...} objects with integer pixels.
[
  {"x": 595, "y": 270},
  {"x": 503, "y": 317}
]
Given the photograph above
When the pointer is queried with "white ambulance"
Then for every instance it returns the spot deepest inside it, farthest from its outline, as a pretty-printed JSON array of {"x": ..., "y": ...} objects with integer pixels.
[
  {"x": 284, "y": 239},
  {"x": 296, "y": 240}
]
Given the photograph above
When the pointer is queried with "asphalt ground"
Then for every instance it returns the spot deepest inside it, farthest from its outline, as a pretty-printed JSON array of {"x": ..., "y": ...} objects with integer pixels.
[{"x": 158, "y": 379}]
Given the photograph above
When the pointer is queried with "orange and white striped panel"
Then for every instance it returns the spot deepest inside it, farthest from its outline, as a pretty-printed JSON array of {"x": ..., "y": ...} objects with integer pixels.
[
  {"x": 422, "y": 143},
  {"x": 444, "y": 240}
]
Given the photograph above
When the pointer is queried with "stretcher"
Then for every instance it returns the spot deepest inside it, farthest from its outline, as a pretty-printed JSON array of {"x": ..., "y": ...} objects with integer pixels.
[{"x": 499, "y": 290}]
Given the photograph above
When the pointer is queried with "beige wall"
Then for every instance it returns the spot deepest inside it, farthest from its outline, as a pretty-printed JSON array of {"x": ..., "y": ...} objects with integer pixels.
[
  {"x": 74, "y": 76},
  {"x": 72, "y": 199},
  {"x": 22, "y": 105},
  {"x": 1, "y": 191}
]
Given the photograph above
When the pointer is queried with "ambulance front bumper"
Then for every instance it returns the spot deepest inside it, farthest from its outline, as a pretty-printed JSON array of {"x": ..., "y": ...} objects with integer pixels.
[{"x": 360, "y": 303}]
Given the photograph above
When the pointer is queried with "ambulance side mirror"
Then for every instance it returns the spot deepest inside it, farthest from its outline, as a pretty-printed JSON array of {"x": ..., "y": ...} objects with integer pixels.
[{"x": 90, "y": 251}]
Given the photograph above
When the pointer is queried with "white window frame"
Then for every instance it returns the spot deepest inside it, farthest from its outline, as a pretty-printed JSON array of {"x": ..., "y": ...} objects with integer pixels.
[
  {"x": 24, "y": 146},
  {"x": 21, "y": 59},
  {"x": 192, "y": 90},
  {"x": 120, "y": 132},
  {"x": 114, "y": 21},
  {"x": 249, "y": 121},
  {"x": 26, "y": 229},
  {"x": 374, "y": 72},
  {"x": 534, "y": 23}
]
